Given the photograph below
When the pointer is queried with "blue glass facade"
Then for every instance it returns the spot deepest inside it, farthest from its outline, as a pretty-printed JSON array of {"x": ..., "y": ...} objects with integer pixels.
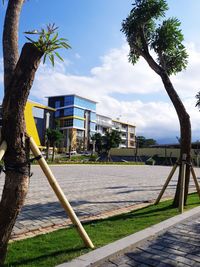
[
  {"x": 93, "y": 116},
  {"x": 92, "y": 126},
  {"x": 68, "y": 100},
  {"x": 57, "y": 104},
  {"x": 79, "y": 112},
  {"x": 78, "y": 123},
  {"x": 75, "y": 107},
  {"x": 57, "y": 114},
  {"x": 84, "y": 103},
  {"x": 68, "y": 111}
]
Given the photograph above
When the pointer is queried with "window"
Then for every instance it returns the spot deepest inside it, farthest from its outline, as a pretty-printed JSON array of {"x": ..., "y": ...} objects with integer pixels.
[
  {"x": 131, "y": 129},
  {"x": 78, "y": 123},
  {"x": 80, "y": 134},
  {"x": 92, "y": 126},
  {"x": 66, "y": 123},
  {"x": 69, "y": 100},
  {"x": 57, "y": 104},
  {"x": 68, "y": 111},
  {"x": 87, "y": 104},
  {"x": 124, "y": 126},
  {"x": 57, "y": 113},
  {"x": 93, "y": 116},
  {"x": 79, "y": 112},
  {"x": 132, "y": 143}
]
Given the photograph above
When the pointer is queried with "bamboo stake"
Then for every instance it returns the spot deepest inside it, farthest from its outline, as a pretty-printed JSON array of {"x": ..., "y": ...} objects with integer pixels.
[
  {"x": 166, "y": 184},
  {"x": 195, "y": 180},
  {"x": 182, "y": 185},
  {"x": 60, "y": 195},
  {"x": 3, "y": 148}
]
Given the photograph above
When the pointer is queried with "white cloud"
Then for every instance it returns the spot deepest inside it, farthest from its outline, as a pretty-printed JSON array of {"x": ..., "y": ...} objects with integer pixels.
[{"x": 154, "y": 118}]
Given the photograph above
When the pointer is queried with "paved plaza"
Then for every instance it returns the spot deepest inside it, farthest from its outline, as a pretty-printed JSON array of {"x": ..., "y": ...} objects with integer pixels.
[
  {"x": 178, "y": 247},
  {"x": 92, "y": 191}
]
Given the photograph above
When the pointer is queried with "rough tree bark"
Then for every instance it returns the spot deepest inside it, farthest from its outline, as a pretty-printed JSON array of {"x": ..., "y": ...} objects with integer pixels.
[
  {"x": 10, "y": 38},
  {"x": 14, "y": 133},
  {"x": 18, "y": 78}
]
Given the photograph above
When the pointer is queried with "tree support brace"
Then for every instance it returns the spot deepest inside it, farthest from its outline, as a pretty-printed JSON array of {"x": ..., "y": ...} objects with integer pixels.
[
  {"x": 60, "y": 195},
  {"x": 181, "y": 163},
  {"x": 55, "y": 186}
]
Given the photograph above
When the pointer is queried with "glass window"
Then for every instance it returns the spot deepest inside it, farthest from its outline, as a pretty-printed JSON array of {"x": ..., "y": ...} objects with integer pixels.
[
  {"x": 68, "y": 122},
  {"x": 78, "y": 123},
  {"x": 57, "y": 104},
  {"x": 79, "y": 112},
  {"x": 68, "y": 111},
  {"x": 92, "y": 126},
  {"x": 69, "y": 100},
  {"x": 57, "y": 113},
  {"x": 93, "y": 116},
  {"x": 84, "y": 103}
]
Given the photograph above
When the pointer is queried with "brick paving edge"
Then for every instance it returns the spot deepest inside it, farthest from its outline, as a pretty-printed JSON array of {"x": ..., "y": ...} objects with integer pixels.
[
  {"x": 119, "y": 247},
  {"x": 67, "y": 222}
]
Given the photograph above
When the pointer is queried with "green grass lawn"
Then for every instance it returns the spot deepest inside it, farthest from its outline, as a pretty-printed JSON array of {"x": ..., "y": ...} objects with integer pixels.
[{"x": 63, "y": 245}]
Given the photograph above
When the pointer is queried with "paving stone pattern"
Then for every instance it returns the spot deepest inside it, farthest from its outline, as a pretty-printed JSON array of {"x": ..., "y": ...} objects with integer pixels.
[
  {"x": 92, "y": 190},
  {"x": 179, "y": 246}
]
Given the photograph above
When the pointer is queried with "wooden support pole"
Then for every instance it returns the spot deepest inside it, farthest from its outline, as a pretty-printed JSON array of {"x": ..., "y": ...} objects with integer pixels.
[
  {"x": 166, "y": 184},
  {"x": 182, "y": 185},
  {"x": 195, "y": 180},
  {"x": 60, "y": 195},
  {"x": 3, "y": 148}
]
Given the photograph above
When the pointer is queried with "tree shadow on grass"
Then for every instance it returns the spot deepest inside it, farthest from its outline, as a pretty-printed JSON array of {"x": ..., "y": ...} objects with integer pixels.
[
  {"x": 34, "y": 260},
  {"x": 141, "y": 213}
]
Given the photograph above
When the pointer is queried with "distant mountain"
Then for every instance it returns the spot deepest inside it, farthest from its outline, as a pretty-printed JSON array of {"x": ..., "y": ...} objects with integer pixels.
[{"x": 167, "y": 140}]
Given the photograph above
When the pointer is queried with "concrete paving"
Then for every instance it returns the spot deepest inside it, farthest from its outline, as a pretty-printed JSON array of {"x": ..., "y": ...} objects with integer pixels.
[
  {"x": 179, "y": 246},
  {"x": 92, "y": 191},
  {"x": 174, "y": 242}
]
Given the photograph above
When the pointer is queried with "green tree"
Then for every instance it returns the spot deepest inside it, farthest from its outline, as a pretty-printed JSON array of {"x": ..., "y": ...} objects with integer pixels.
[
  {"x": 97, "y": 137},
  {"x": 19, "y": 73},
  {"x": 54, "y": 137},
  {"x": 146, "y": 33},
  {"x": 111, "y": 140},
  {"x": 145, "y": 142}
]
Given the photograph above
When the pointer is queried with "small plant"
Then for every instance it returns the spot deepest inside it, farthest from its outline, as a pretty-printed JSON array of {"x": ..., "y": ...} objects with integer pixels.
[{"x": 48, "y": 42}]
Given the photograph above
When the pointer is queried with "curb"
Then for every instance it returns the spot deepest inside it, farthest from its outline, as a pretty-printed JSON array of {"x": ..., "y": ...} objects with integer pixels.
[{"x": 116, "y": 248}]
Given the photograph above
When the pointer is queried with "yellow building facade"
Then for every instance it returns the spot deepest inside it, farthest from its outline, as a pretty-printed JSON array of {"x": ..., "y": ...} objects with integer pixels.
[{"x": 30, "y": 119}]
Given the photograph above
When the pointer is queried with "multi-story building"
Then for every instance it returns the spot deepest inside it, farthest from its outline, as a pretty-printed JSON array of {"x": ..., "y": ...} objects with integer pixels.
[
  {"x": 76, "y": 117},
  {"x": 127, "y": 131},
  {"x": 103, "y": 124}
]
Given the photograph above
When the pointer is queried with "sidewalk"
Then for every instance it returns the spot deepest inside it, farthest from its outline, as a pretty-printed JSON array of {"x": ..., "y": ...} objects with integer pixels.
[{"x": 174, "y": 242}]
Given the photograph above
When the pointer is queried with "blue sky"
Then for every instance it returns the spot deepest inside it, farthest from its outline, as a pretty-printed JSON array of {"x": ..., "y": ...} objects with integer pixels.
[{"x": 97, "y": 65}]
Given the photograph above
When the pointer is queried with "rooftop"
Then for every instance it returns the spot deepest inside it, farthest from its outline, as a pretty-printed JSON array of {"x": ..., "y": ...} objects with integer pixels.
[
  {"x": 126, "y": 123},
  {"x": 73, "y": 95}
]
